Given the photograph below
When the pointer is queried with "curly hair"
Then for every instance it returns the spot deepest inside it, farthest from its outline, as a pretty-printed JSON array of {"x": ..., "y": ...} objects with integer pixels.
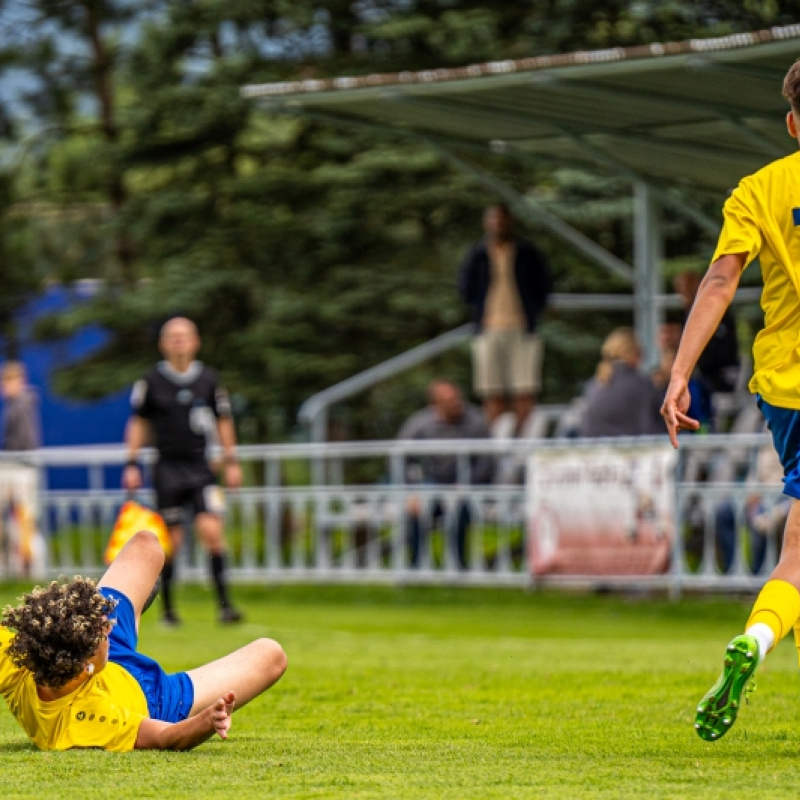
[{"x": 58, "y": 629}]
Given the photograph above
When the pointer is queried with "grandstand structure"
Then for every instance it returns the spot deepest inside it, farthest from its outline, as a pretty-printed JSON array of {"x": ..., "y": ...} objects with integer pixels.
[{"x": 676, "y": 119}]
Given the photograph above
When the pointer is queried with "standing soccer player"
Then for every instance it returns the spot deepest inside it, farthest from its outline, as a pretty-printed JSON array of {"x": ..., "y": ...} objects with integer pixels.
[
  {"x": 180, "y": 407},
  {"x": 762, "y": 218}
]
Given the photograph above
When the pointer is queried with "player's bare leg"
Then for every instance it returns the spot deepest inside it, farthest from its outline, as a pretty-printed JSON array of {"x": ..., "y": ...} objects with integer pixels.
[
  {"x": 135, "y": 570},
  {"x": 210, "y": 529},
  {"x": 493, "y": 406},
  {"x": 248, "y": 672},
  {"x": 788, "y": 567},
  {"x": 524, "y": 403}
]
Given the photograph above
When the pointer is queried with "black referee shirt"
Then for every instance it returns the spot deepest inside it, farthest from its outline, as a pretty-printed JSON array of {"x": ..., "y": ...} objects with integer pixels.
[{"x": 182, "y": 408}]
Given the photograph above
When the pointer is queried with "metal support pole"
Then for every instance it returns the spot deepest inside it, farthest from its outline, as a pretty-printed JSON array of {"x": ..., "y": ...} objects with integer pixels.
[
  {"x": 319, "y": 425},
  {"x": 319, "y": 433},
  {"x": 647, "y": 252}
]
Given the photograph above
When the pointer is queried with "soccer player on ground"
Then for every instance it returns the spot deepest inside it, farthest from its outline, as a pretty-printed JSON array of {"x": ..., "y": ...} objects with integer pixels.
[
  {"x": 71, "y": 675},
  {"x": 762, "y": 219},
  {"x": 181, "y": 407}
]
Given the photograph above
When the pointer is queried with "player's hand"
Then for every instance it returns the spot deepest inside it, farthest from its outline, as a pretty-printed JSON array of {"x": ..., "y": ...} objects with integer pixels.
[
  {"x": 676, "y": 404},
  {"x": 131, "y": 478},
  {"x": 221, "y": 714},
  {"x": 233, "y": 475}
]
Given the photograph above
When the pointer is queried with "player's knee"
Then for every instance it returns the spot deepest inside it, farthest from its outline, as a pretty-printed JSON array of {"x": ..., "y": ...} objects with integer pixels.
[
  {"x": 211, "y": 530},
  {"x": 272, "y": 657},
  {"x": 147, "y": 545}
]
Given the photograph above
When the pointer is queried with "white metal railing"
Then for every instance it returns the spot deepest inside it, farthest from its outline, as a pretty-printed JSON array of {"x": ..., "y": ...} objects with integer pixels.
[
  {"x": 313, "y": 413},
  {"x": 352, "y": 522}
]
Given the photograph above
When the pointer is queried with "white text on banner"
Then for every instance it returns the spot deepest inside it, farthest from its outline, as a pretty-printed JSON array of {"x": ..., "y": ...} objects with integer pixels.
[{"x": 604, "y": 511}]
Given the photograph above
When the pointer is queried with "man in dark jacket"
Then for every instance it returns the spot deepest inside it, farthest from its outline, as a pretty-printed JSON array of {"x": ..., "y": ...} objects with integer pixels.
[{"x": 506, "y": 282}]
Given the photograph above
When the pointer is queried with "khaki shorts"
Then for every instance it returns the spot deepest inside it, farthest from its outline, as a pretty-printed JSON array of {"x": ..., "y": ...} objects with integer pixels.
[{"x": 507, "y": 362}]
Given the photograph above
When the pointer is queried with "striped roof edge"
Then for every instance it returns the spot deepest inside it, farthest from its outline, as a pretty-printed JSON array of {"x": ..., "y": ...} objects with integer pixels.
[{"x": 531, "y": 64}]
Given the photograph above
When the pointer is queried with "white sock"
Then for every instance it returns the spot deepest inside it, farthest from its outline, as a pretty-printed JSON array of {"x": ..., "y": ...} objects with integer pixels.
[{"x": 765, "y": 637}]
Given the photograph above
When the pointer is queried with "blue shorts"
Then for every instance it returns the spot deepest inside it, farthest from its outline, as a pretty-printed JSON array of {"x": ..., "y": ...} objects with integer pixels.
[
  {"x": 784, "y": 425},
  {"x": 169, "y": 697}
]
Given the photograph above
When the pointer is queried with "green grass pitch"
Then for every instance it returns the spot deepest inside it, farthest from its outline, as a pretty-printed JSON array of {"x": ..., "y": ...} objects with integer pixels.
[{"x": 454, "y": 693}]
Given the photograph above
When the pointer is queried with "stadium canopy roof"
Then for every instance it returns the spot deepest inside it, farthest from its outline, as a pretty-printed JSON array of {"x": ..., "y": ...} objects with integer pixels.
[
  {"x": 674, "y": 118},
  {"x": 703, "y": 112}
]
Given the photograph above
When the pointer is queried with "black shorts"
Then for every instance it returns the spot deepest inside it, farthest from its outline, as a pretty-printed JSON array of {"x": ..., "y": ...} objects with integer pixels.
[{"x": 185, "y": 484}]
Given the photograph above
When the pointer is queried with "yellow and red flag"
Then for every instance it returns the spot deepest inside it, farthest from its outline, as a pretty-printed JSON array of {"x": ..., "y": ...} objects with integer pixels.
[{"x": 132, "y": 518}]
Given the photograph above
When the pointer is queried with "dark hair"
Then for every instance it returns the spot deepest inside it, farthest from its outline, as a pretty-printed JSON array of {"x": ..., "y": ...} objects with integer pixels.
[
  {"x": 791, "y": 86},
  {"x": 502, "y": 207},
  {"x": 58, "y": 629},
  {"x": 675, "y": 316}
]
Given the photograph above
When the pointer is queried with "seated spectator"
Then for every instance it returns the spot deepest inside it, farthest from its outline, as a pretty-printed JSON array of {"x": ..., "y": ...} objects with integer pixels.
[
  {"x": 620, "y": 400},
  {"x": 764, "y": 520},
  {"x": 669, "y": 337},
  {"x": 719, "y": 363},
  {"x": 447, "y": 416}
]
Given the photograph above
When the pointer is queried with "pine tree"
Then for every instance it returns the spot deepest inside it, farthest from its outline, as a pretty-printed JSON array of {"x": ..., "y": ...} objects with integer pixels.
[{"x": 305, "y": 251}]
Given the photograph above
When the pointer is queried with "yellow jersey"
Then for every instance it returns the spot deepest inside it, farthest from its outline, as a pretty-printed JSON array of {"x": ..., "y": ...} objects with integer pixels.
[
  {"x": 104, "y": 712},
  {"x": 762, "y": 218}
]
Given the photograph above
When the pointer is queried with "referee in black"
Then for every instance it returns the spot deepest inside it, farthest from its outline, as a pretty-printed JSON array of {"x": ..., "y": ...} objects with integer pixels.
[{"x": 181, "y": 409}]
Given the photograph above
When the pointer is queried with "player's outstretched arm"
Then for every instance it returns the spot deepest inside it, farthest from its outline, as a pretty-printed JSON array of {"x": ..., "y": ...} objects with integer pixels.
[{"x": 216, "y": 718}]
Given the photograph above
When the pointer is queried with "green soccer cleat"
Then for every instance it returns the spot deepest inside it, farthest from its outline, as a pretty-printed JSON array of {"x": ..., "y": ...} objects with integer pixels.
[{"x": 717, "y": 711}]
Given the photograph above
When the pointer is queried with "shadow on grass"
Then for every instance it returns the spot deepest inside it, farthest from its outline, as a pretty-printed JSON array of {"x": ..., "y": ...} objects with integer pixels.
[{"x": 19, "y": 747}]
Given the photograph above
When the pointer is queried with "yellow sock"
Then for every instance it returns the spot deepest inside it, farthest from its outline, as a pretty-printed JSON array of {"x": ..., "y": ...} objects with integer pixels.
[{"x": 778, "y": 607}]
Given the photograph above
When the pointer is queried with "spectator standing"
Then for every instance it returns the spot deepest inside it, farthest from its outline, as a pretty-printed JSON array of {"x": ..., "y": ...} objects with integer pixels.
[
  {"x": 620, "y": 400},
  {"x": 505, "y": 281},
  {"x": 446, "y": 416},
  {"x": 181, "y": 405},
  {"x": 21, "y": 429},
  {"x": 22, "y": 548}
]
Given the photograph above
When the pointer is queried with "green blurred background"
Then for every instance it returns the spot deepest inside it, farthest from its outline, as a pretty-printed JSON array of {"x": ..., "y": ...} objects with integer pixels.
[{"x": 304, "y": 252}]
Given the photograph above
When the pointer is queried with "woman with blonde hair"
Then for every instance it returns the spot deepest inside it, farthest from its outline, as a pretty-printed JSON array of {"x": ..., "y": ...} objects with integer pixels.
[
  {"x": 621, "y": 346},
  {"x": 620, "y": 400}
]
